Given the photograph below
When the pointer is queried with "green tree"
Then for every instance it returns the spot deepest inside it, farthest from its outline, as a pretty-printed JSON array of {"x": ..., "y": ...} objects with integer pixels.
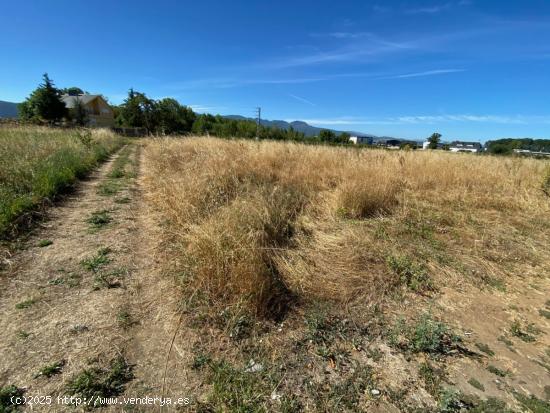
[
  {"x": 78, "y": 113},
  {"x": 326, "y": 135},
  {"x": 137, "y": 110},
  {"x": 44, "y": 104},
  {"x": 344, "y": 137},
  {"x": 434, "y": 140},
  {"x": 171, "y": 117},
  {"x": 73, "y": 91}
]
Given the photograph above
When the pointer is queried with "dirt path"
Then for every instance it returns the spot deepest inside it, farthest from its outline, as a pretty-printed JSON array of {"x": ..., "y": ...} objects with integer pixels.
[{"x": 80, "y": 306}]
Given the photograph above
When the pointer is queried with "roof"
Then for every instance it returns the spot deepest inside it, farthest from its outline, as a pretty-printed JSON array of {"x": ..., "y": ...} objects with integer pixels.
[{"x": 70, "y": 100}]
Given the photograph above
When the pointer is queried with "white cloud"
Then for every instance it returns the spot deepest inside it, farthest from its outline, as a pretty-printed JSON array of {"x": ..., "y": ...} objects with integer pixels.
[
  {"x": 425, "y": 73},
  {"x": 301, "y": 99},
  {"x": 433, "y": 119}
]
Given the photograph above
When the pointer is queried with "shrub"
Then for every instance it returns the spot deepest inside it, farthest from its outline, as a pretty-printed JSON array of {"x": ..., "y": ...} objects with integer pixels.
[{"x": 411, "y": 274}]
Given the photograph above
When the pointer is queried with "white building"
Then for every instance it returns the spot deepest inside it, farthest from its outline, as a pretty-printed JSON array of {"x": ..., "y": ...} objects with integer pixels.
[
  {"x": 361, "y": 140},
  {"x": 458, "y": 146}
]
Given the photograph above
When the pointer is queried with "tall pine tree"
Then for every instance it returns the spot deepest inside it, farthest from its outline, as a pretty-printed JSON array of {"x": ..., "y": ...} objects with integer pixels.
[{"x": 44, "y": 104}]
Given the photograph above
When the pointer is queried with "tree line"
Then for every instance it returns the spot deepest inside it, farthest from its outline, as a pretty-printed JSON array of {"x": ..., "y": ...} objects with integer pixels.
[{"x": 161, "y": 117}]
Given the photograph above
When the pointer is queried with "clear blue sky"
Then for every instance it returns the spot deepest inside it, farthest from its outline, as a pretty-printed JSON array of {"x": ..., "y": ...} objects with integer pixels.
[{"x": 470, "y": 69}]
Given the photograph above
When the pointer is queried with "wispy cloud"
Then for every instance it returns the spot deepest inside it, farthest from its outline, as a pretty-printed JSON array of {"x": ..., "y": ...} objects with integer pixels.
[
  {"x": 425, "y": 73},
  {"x": 433, "y": 119},
  {"x": 430, "y": 10},
  {"x": 359, "y": 46},
  {"x": 206, "y": 108},
  {"x": 301, "y": 99},
  {"x": 216, "y": 83},
  {"x": 438, "y": 8}
]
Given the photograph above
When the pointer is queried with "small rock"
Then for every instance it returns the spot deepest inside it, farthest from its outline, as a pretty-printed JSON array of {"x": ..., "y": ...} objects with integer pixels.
[
  {"x": 254, "y": 367},
  {"x": 375, "y": 392},
  {"x": 275, "y": 396}
]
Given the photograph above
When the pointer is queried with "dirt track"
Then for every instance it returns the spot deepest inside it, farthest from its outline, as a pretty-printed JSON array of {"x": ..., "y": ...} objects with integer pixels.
[{"x": 58, "y": 310}]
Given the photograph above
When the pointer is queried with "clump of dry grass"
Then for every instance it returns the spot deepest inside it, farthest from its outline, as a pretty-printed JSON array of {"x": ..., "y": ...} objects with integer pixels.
[{"x": 256, "y": 223}]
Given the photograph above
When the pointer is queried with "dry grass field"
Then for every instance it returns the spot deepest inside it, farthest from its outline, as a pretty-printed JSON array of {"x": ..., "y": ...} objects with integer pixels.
[
  {"x": 355, "y": 273},
  {"x": 265, "y": 276}
]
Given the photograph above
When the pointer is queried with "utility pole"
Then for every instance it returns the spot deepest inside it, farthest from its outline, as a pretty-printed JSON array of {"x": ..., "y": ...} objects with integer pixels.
[{"x": 259, "y": 118}]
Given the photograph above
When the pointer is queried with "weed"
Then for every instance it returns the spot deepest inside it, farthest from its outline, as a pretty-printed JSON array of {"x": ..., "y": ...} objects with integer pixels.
[
  {"x": 507, "y": 342},
  {"x": 235, "y": 390},
  {"x": 51, "y": 369},
  {"x": 102, "y": 280},
  {"x": 99, "y": 219},
  {"x": 25, "y": 304},
  {"x": 22, "y": 334},
  {"x": 125, "y": 319},
  {"x": 518, "y": 332},
  {"x": 496, "y": 371},
  {"x": 412, "y": 275},
  {"x": 109, "y": 188},
  {"x": 44, "y": 243},
  {"x": 7, "y": 395},
  {"x": 485, "y": 349},
  {"x": 97, "y": 261},
  {"x": 491, "y": 405},
  {"x": 344, "y": 395},
  {"x": 475, "y": 383},
  {"x": 449, "y": 401},
  {"x": 431, "y": 336},
  {"x": 432, "y": 376},
  {"x": 495, "y": 283},
  {"x": 544, "y": 313},
  {"x": 532, "y": 403},
  {"x": 101, "y": 382},
  {"x": 201, "y": 360}
]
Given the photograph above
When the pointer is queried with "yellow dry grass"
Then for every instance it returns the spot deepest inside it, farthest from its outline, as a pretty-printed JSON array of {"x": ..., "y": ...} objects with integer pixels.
[{"x": 263, "y": 223}]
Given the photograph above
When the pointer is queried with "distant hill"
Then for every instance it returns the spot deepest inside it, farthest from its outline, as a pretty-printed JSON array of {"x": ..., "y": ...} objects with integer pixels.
[
  {"x": 297, "y": 125},
  {"x": 8, "y": 109}
]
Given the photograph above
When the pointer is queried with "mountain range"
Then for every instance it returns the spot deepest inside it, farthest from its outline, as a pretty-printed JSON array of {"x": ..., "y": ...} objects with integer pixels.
[
  {"x": 301, "y": 126},
  {"x": 8, "y": 109}
]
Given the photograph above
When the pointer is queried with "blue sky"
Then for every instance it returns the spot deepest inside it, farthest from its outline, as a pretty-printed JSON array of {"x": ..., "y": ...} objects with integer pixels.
[{"x": 470, "y": 69}]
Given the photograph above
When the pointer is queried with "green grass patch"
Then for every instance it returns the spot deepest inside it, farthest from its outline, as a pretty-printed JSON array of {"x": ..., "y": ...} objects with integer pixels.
[
  {"x": 44, "y": 243},
  {"x": 485, "y": 349},
  {"x": 37, "y": 164},
  {"x": 125, "y": 319},
  {"x": 524, "y": 334},
  {"x": 475, "y": 383},
  {"x": 413, "y": 275},
  {"x": 99, "y": 219},
  {"x": 97, "y": 261},
  {"x": 101, "y": 382},
  {"x": 22, "y": 334},
  {"x": 7, "y": 394},
  {"x": 427, "y": 335},
  {"x": 532, "y": 403},
  {"x": 496, "y": 371},
  {"x": 50, "y": 370},
  {"x": 25, "y": 304},
  {"x": 544, "y": 313}
]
